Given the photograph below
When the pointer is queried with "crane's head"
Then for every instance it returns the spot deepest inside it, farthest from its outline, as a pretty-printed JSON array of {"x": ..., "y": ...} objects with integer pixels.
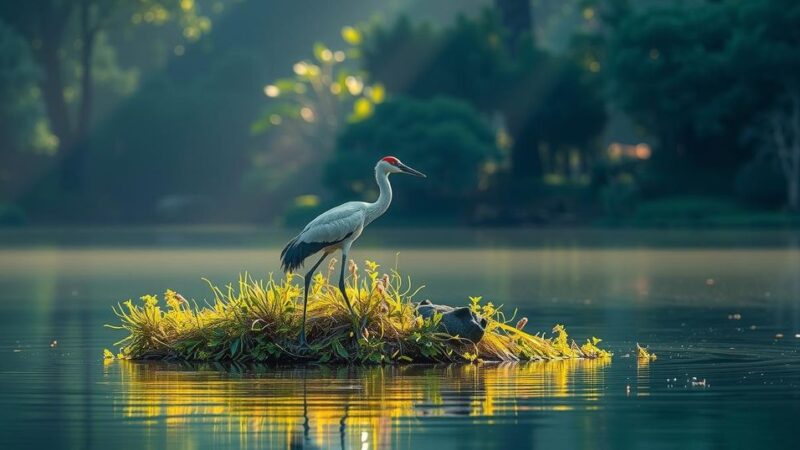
[{"x": 390, "y": 164}]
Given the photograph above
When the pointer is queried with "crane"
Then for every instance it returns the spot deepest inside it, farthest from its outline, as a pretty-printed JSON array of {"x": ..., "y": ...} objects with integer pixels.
[{"x": 337, "y": 229}]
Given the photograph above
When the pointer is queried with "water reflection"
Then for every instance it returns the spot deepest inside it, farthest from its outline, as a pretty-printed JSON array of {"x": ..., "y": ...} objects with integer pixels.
[{"x": 347, "y": 407}]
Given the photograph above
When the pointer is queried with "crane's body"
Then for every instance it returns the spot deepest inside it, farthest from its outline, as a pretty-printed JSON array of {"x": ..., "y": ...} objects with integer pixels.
[{"x": 338, "y": 228}]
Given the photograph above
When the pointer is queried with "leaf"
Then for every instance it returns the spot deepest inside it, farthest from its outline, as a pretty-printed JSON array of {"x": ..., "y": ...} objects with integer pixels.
[
  {"x": 362, "y": 108},
  {"x": 321, "y": 52},
  {"x": 378, "y": 93},
  {"x": 340, "y": 350},
  {"x": 107, "y": 354},
  {"x": 351, "y": 35}
]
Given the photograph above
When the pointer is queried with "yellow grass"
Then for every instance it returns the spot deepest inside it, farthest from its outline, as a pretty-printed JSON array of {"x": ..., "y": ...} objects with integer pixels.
[{"x": 259, "y": 321}]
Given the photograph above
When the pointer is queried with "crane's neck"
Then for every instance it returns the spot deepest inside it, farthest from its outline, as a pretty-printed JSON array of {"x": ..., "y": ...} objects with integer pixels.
[{"x": 376, "y": 209}]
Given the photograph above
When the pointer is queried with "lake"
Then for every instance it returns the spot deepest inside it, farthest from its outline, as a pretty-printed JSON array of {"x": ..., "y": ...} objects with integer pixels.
[{"x": 721, "y": 309}]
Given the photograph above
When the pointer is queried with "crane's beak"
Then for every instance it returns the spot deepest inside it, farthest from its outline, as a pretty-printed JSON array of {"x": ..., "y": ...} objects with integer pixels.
[{"x": 411, "y": 171}]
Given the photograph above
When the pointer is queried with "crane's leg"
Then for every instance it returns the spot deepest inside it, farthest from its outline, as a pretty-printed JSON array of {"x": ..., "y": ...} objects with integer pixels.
[
  {"x": 309, "y": 275},
  {"x": 344, "y": 289}
]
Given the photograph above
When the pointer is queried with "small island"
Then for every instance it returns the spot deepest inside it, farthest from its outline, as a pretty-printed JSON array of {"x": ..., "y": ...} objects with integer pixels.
[{"x": 258, "y": 321}]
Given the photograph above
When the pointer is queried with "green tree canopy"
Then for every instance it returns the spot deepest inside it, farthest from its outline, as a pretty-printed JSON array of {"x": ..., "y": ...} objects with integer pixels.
[
  {"x": 19, "y": 102},
  {"x": 546, "y": 101},
  {"x": 63, "y": 37},
  {"x": 441, "y": 136},
  {"x": 697, "y": 77}
]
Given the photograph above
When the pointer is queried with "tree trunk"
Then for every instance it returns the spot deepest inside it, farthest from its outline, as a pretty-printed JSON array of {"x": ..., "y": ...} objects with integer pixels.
[
  {"x": 52, "y": 83},
  {"x": 784, "y": 139},
  {"x": 73, "y": 168}
]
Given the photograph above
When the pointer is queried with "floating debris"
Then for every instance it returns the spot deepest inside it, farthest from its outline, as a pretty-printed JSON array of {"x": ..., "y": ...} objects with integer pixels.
[
  {"x": 710, "y": 282},
  {"x": 699, "y": 383},
  {"x": 779, "y": 336},
  {"x": 736, "y": 316},
  {"x": 642, "y": 353},
  {"x": 54, "y": 344}
]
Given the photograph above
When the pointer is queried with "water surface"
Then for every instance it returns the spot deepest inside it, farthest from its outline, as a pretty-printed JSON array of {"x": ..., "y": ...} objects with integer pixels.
[{"x": 723, "y": 307}]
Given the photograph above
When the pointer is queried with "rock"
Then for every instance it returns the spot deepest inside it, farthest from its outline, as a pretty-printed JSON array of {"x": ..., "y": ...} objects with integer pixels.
[{"x": 460, "y": 322}]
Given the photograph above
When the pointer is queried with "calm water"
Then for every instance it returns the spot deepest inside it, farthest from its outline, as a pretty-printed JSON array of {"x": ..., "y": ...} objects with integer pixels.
[{"x": 717, "y": 306}]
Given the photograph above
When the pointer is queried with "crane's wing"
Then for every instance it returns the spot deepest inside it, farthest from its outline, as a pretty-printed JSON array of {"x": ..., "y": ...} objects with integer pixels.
[{"x": 329, "y": 228}]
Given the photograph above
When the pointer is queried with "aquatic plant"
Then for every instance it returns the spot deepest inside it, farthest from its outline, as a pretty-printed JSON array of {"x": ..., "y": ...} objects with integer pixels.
[
  {"x": 643, "y": 354},
  {"x": 259, "y": 321}
]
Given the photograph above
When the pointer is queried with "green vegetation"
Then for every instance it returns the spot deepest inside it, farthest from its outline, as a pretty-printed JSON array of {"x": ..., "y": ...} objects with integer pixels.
[
  {"x": 702, "y": 83},
  {"x": 69, "y": 42},
  {"x": 323, "y": 96},
  {"x": 590, "y": 114},
  {"x": 259, "y": 321},
  {"x": 551, "y": 107},
  {"x": 447, "y": 137}
]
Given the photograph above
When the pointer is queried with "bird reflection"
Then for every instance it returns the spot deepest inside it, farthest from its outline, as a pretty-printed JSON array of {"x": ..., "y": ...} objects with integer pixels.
[{"x": 346, "y": 407}]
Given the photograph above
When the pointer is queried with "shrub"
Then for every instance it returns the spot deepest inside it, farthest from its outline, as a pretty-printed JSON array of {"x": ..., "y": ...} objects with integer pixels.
[
  {"x": 761, "y": 183},
  {"x": 442, "y": 136}
]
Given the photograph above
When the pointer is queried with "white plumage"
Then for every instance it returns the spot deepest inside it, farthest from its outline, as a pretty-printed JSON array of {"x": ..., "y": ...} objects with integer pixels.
[{"x": 339, "y": 227}]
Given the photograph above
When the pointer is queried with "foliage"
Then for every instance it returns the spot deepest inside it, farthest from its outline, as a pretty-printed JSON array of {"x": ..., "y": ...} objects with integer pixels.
[
  {"x": 686, "y": 206},
  {"x": 12, "y": 215},
  {"x": 170, "y": 133},
  {"x": 258, "y": 321},
  {"x": 702, "y": 212},
  {"x": 441, "y": 136},
  {"x": 26, "y": 142},
  {"x": 619, "y": 197},
  {"x": 323, "y": 95},
  {"x": 697, "y": 79},
  {"x": 64, "y": 37},
  {"x": 420, "y": 61},
  {"x": 760, "y": 183},
  {"x": 20, "y": 110},
  {"x": 548, "y": 103},
  {"x": 782, "y": 141}
]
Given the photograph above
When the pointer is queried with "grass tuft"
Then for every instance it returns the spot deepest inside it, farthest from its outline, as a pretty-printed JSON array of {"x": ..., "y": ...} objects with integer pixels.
[{"x": 259, "y": 321}]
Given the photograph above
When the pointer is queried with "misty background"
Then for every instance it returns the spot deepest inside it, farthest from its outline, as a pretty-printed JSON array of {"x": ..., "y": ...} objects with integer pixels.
[{"x": 540, "y": 112}]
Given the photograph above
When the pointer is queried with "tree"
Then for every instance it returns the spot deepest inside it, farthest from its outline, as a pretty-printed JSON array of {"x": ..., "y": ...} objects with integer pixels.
[
  {"x": 19, "y": 107},
  {"x": 782, "y": 135},
  {"x": 441, "y": 136},
  {"x": 696, "y": 77},
  {"x": 467, "y": 61},
  {"x": 517, "y": 18},
  {"x": 53, "y": 27},
  {"x": 304, "y": 114},
  {"x": 322, "y": 96},
  {"x": 177, "y": 148},
  {"x": 559, "y": 110},
  {"x": 546, "y": 102}
]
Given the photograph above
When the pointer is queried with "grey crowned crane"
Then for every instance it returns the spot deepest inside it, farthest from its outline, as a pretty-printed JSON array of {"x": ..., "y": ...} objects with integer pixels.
[{"x": 337, "y": 229}]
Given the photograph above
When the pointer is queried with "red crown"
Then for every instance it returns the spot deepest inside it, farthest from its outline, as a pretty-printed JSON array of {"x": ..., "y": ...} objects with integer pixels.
[{"x": 391, "y": 160}]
